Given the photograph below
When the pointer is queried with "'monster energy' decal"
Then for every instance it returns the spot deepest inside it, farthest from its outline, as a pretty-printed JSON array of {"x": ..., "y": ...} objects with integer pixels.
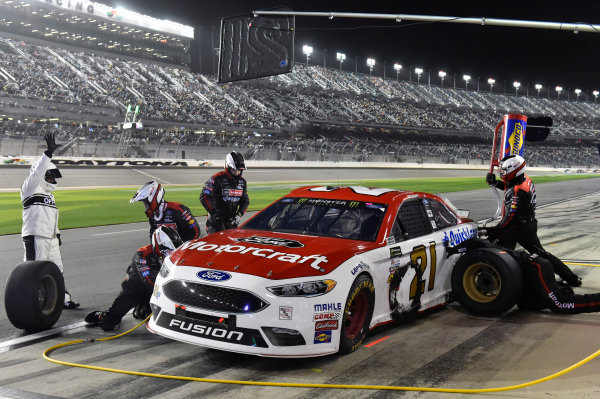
[{"x": 268, "y": 253}]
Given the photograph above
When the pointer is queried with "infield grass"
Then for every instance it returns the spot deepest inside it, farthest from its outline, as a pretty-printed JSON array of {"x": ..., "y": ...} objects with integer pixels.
[{"x": 98, "y": 207}]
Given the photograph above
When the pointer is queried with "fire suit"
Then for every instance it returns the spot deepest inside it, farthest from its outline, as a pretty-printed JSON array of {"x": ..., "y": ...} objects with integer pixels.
[
  {"x": 136, "y": 289},
  {"x": 40, "y": 216},
  {"x": 177, "y": 216},
  {"x": 519, "y": 225},
  {"x": 225, "y": 198},
  {"x": 540, "y": 288}
]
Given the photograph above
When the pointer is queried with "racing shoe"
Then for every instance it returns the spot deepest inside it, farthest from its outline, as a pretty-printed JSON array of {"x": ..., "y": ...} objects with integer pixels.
[
  {"x": 94, "y": 317},
  {"x": 70, "y": 305}
]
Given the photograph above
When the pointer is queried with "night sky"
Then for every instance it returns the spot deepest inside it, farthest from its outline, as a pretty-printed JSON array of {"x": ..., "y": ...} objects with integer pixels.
[{"x": 507, "y": 54}]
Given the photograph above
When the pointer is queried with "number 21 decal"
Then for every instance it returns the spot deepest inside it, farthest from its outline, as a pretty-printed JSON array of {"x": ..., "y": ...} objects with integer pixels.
[{"x": 419, "y": 257}]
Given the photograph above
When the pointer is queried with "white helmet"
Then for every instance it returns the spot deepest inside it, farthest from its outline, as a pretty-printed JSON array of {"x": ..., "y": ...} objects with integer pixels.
[
  {"x": 234, "y": 161},
  {"x": 152, "y": 194},
  {"x": 52, "y": 173},
  {"x": 512, "y": 166},
  {"x": 164, "y": 241}
]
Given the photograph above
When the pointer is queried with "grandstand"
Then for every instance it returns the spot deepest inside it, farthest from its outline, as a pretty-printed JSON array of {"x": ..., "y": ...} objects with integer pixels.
[{"x": 59, "y": 82}]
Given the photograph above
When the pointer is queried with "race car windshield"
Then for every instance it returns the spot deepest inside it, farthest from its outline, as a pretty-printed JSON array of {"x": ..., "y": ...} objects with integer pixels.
[{"x": 354, "y": 220}]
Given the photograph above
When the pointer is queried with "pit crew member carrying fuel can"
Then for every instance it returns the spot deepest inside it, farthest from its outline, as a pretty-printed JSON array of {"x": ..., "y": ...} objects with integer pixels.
[{"x": 518, "y": 224}]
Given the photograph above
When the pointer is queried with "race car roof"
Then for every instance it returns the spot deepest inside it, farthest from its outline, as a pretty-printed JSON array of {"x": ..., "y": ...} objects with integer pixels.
[{"x": 352, "y": 193}]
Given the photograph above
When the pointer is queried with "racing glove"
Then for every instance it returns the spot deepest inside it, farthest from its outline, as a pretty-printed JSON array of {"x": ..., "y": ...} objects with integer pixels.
[
  {"x": 59, "y": 240},
  {"x": 49, "y": 137},
  {"x": 490, "y": 179},
  {"x": 141, "y": 311},
  {"x": 236, "y": 220}
]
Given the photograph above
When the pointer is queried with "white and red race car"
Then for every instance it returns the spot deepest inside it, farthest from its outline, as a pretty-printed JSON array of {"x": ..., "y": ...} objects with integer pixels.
[{"x": 313, "y": 272}]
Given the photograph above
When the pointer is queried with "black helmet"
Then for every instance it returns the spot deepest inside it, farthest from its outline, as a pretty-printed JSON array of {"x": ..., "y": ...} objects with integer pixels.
[
  {"x": 234, "y": 161},
  {"x": 164, "y": 241},
  {"x": 52, "y": 173}
]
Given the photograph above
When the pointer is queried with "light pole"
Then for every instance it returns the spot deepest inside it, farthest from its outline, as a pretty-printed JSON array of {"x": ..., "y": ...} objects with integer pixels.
[
  {"x": 442, "y": 75},
  {"x": 538, "y": 87},
  {"x": 577, "y": 92},
  {"x": 558, "y": 90},
  {"x": 370, "y": 64},
  {"x": 308, "y": 50},
  {"x": 595, "y": 93},
  {"x": 397, "y": 68},
  {"x": 418, "y": 71},
  {"x": 341, "y": 57},
  {"x": 516, "y": 85},
  {"x": 466, "y": 79},
  {"x": 491, "y": 82}
]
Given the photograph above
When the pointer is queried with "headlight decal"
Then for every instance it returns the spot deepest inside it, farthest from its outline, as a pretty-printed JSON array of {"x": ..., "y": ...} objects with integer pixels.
[{"x": 303, "y": 289}]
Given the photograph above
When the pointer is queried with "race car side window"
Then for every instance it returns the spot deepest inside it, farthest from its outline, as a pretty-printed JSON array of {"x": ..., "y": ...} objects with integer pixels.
[
  {"x": 412, "y": 219},
  {"x": 442, "y": 216}
]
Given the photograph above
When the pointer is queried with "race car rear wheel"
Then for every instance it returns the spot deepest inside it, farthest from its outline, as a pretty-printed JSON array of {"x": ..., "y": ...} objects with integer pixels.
[
  {"x": 34, "y": 295},
  {"x": 487, "y": 281},
  {"x": 357, "y": 314}
]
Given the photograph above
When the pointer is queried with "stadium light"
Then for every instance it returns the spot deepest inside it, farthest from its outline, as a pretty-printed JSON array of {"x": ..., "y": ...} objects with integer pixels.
[
  {"x": 466, "y": 78},
  {"x": 308, "y": 50},
  {"x": 558, "y": 90},
  {"x": 595, "y": 93},
  {"x": 538, "y": 87},
  {"x": 370, "y": 64},
  {"x": 341, "y": 57},
  {"x": 491, "y": 82},
  {"x": 516, "y": 85},
  {"x": 442, "y": 75},
  {"x": 397, "y": 68},
  {"x": 418, "y": 71},
  {"x": 578, "y": 92}
]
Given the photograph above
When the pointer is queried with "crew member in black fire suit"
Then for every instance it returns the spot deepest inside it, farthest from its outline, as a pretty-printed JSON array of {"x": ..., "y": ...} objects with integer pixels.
[
  {"x": 225, "y": 195},
  {"x": 41, "y": 236},
  {"x": 540, "y": 288},
  {"x": 141, "y": 274},
  {"x": 518, "y": 223},
  {"x": 166, "y": 213}
]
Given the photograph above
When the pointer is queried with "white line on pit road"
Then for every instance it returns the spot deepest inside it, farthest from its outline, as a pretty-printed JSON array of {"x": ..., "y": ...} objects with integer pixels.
[
  {"x": 5, "y": 346},
  {"x": 119, "y": 232}
]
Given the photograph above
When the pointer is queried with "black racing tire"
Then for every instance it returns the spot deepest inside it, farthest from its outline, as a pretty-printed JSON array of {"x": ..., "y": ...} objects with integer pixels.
[
  {"x": 358, "y": 312},
  {"x": 34, "y": 295},
  {"x": 487, "y": 281}
]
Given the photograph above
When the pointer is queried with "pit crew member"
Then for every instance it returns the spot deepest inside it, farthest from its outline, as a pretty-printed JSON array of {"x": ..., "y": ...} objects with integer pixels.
[
  {"x": 518, "y": 223},
  {"x": 225, "y": 195},
  {"x": 166, "y": 213},
  {"x": 40, "y": 233},
  {"x": 540, "y": 288},
  {"x": 137, "y": 287}
]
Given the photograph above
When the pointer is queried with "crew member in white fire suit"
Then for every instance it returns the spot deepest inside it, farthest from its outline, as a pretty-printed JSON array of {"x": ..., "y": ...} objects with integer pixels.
[{"x": 41, "y": 236}]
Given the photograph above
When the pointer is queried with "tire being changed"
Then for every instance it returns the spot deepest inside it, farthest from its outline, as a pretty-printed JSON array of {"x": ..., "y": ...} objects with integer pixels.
[
  {"x": 357, "y": 314},
  {"x": 487, "y": 281},
  {"x": 34, "y": 295}
]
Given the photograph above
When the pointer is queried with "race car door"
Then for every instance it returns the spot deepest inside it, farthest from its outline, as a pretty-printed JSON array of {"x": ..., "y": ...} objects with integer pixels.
[{"x": 414, "y": 260}]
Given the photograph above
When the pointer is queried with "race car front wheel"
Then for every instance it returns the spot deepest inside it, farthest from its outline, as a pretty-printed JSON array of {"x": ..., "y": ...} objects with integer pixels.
[
  {"x": 357, "y": 314},
  {"x": 487, "y": 281},
  {"x": 34, "y": 295}
]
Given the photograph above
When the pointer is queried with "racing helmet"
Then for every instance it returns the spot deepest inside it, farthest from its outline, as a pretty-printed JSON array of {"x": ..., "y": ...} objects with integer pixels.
[
  {"x": 165, "y": 240},
  {"x": 511, "y": 166},
  {"x": 52, "y": 173},
  {"x": 152, "y": 194},
  {"x": 234, "y": 161}
]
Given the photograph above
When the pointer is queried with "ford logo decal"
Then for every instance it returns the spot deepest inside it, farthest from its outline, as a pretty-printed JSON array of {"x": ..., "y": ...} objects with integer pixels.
[{"x": 213, "y": 275}]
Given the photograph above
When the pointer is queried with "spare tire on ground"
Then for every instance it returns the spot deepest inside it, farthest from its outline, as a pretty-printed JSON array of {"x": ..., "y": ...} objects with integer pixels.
[
  {"x": 34, "y": 295},
  {"x": 487, "y": 281}
]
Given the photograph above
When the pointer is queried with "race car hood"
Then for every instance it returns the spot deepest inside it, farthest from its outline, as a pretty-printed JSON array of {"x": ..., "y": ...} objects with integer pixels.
[{"x": 271, "y": 255}]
